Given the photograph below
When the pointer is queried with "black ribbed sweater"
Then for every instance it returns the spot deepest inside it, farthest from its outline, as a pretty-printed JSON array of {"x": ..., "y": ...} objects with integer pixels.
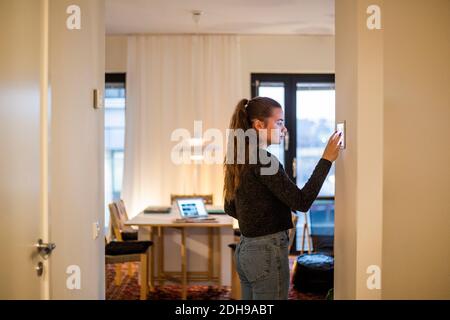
[{"x": 263, "y": 203}]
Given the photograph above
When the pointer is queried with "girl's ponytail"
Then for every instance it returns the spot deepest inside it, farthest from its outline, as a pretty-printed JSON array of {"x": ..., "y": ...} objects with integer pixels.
[
  {"x": 244, "y": 113},
  {"x": 240, "y": 119}
]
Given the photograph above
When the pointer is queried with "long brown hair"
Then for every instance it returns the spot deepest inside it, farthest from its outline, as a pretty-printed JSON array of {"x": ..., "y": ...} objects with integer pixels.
[{"x": 245, "y": 113}]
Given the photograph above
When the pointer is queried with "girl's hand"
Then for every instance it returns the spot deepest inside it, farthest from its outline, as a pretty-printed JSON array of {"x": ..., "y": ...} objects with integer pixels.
[{"x": 331, "y": 151}]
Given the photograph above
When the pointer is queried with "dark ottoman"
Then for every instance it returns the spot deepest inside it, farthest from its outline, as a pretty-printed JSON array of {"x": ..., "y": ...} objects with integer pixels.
[{"x": 313, "y": 273}]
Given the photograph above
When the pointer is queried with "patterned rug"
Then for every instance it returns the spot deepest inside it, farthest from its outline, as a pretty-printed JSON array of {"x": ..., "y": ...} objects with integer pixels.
[{"x": 129, "y": 288}]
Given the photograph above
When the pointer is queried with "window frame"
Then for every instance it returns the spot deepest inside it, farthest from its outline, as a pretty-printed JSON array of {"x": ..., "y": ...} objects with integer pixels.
[{"x": 115, "y": 78}]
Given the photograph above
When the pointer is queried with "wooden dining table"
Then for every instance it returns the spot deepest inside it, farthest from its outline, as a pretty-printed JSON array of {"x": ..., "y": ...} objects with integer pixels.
[{"x": 151, "y": 226}]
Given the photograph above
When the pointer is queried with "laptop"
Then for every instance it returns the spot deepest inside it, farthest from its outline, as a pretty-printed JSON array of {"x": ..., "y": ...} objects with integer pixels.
[{"x": 192, "y": 208}]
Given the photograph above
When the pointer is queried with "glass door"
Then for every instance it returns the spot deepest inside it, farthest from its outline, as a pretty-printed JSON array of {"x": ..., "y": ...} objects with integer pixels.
[{"x": 315, "y": 122}]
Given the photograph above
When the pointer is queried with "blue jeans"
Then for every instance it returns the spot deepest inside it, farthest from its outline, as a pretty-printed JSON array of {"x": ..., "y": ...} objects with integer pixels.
[{"x": 263, "y": 266}]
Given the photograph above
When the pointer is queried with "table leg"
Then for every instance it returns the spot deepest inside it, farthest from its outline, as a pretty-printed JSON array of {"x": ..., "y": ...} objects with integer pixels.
[
  {"x": 183, "y": 265},
  {"x": 219, "y": 257},
  {"x": 143, "y": 275},
  {"x": 161, "y": 255},
  {"x": 210, "y": 253},
  {"x": 151, "y": 260}
]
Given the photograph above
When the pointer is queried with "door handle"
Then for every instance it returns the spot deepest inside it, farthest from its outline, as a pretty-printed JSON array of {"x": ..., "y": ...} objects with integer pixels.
[
  {"x": 45, "y": 249},
  {"x": 294, "y": 167}
]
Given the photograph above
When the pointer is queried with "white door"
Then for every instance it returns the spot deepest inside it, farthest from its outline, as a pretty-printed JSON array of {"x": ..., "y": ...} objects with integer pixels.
[
  {"x": 51, "y": 144},
  {"x": 21, "y": 191}
]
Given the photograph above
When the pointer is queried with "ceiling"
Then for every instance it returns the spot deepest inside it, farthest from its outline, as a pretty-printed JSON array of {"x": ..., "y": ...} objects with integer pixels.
[{"x": 305, "y": 17}]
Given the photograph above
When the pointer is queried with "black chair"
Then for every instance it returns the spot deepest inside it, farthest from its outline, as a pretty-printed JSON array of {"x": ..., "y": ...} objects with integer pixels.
[{"x": 129, "y": 251}]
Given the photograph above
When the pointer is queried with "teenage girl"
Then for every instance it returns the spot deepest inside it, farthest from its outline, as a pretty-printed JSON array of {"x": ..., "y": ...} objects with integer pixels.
[{"x": 262, "y": 203}]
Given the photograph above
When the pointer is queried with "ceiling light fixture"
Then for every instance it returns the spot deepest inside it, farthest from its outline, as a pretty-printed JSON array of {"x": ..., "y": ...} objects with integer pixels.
[{"x": 196, "y": 15}]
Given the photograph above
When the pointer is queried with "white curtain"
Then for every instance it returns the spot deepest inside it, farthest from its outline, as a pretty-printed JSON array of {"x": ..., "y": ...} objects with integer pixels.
[{"x": 173, "y": 80}]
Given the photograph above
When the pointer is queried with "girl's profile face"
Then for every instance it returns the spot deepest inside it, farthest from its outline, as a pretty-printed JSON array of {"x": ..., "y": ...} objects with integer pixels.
[{"x": 274, "y": 125}]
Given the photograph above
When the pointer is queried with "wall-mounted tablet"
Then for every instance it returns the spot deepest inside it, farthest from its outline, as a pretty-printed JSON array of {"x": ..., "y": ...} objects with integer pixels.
[{"x": 340, "y": 127}]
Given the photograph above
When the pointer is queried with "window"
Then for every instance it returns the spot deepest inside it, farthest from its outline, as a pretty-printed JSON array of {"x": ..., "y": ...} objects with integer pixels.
[
  {"x": 315, "y": 104},
  {"x": 114, "y": 138}
]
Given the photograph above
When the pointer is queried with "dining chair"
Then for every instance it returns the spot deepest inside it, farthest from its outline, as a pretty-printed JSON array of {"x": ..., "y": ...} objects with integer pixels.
[
  {"x": 120, "y": 231},
  {"x": 119, "y": 216},
  {"x": 118, "y": 252}
]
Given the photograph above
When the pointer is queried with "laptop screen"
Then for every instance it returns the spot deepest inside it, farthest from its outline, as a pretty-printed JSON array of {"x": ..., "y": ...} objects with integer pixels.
[{"x": 192, "y": 208}]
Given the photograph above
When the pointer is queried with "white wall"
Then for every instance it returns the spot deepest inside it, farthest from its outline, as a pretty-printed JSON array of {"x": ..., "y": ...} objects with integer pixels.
[
  {"x": 416, "y": 220},
  {"x": 285, "y": 54},
  {"x": 345, "y": 244},
  {"x": 116, "y": 54},
  {"x": 77, "y": 67},
  {"x": 359, "y": 171},
  {"x": 259, "y": 53},
  {"x": 392, "y": 204}
]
